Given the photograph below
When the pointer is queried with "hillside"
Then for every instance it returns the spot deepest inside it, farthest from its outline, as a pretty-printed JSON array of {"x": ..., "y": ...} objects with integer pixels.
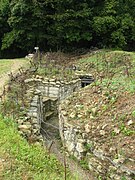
[
  {"x": 105, "y": 111},
  {"x": 20, "y": 160},
  {"x": 96, "y": 122}
]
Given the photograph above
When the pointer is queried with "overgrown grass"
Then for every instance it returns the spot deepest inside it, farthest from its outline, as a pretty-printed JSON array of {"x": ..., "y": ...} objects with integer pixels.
[{"x": 25, "y": 161}]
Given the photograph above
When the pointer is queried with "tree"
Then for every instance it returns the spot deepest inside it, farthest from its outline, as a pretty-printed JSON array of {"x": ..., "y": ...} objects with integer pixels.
[
  {"x": 4, "y": 9},
  {"x": 69, "y": 22},
  {"x": 60, "y": 24},
  {"x": 19, "y": 23},
  {"x": 115, "y": 23}
]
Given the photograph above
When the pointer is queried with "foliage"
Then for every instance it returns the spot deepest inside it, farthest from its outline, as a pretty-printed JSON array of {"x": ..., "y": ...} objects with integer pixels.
[
  {"x": 84, "y": 164},
  {"x": 60, "y": 24}
]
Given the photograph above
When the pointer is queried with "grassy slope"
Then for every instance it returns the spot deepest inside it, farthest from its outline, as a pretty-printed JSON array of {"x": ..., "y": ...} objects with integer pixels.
[
  {"x": 111, "y": 66},
  {"x": 112, "y": 86},
  {"x": 24, "y": 161},
  {"x": 6, "y": 64},
  {"x": 18, "y": 159},
  {"x": 107, "y": 106}
]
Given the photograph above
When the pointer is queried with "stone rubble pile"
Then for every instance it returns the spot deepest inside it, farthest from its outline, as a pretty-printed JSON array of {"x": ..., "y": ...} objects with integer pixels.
[{"x": 77, "y": 141}]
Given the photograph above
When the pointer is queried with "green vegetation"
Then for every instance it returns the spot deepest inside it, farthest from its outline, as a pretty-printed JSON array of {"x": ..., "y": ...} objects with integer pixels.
[
  {"x": 6, "y": 64},
  {"x": 84, "y": 164},
  {"x": 114, "y": 86},
  {"x": 58, "y": 73},
  {"x": 126, "y": 131},
  {"x": 88, "y": 146},
  {"x": 64, "y": 24},
  {"x": 24, "y": 161},
  {"x": 113, "y": 69}
]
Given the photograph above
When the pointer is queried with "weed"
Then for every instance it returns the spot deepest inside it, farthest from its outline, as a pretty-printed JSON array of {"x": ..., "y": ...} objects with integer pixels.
[
  {"x": 113, "y": 134},
  {"x": 133, "y": 114},
  {"x": 88, "y": 146},
  {"x": 126, "y": 131},
  {"x": 105, "y": 107},
  {"x": 99, "y": 178},
  {"x": 122, "y": 117},
  {"x": 123, "y": 178},
  {"x": 84, "y": 164},
  {"x": 73, "y": 157}
]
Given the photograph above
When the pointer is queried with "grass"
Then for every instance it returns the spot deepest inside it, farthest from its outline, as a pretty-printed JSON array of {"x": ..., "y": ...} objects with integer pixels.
[
  {"x": 113, "y": 94},
  {"x": 6, "y": 64},
  {"x": 115, "y": 68},
  {"x": 53, "y": 72},
  {"x": 25, "y": 161},
  {"x": 10, "y": 65}
]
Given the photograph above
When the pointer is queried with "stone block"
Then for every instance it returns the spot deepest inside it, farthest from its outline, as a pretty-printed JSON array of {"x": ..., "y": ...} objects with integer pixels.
[
  {"x": 29, "y": 80},
  {"x": 31, "y": 114},
  {"x": 24, "y": 127},
  {"x": 34, "y": 104},
  {"x": 70, "y": 146},
  {"x": 80, "y": 147}
]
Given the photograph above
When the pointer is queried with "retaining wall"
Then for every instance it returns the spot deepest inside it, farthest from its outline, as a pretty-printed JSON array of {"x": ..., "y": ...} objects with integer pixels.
[
  {"x": 43, "y": 96},
  {"x": 78, "y": 144}
]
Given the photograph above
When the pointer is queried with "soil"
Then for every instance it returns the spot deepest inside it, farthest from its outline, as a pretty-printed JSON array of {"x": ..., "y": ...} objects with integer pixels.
[
  {"x": 4, "y": 163},
  {"x": 108, "y": 116},
  {"x": 110, "y": 124},
  {"x": 1, "y": 166}
]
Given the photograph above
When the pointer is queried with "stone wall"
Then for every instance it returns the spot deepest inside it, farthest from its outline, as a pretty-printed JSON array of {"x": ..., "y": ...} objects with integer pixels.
[
  {"x": 72, "y": 136},
  {"x": 42, "y": 98},
  {"x": 53, "y": 88},
  {"x": 78, "y": 144},
  {"x": 30, "y": 125}
]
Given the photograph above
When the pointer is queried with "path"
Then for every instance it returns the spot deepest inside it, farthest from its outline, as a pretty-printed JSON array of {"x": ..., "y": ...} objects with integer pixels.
[
  {"x": 54, "y": 146},
  {"x": 72, "y": 165},
  {"x": 16, "y": 64}
]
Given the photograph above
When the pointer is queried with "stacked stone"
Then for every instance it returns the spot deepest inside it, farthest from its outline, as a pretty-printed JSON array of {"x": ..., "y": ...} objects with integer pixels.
[
  {"x": 72, "y": 136},
  {"x": 39, "y": 87},
  {"x": 29, "y": 126},
  {"x": 78, "y": 144},
  {"x": 54, "y": 88}
]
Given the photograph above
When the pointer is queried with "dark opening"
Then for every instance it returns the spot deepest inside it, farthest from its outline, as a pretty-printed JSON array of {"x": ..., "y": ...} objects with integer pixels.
[
  {"x": 84, "y": 84},
  {"x": 86, "y": 80}
]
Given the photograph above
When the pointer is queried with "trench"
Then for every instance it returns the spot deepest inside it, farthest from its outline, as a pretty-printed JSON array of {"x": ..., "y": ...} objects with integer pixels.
[{"x": 52, "y": 141}]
